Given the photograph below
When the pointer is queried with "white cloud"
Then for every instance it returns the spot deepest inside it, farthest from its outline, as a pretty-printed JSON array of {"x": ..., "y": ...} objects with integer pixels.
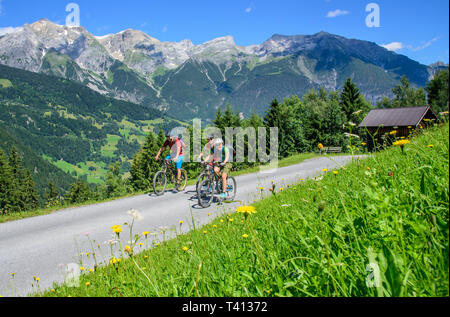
[
  {"x": 424, "y": 46},
  {"x": 1, "y": 7},
  {"x": 165, "y": 28},
  {"x": 248, "y": 10},
  {"x": 336, "y": 13},
  {"x": 394, "y": 46},
  {"x": 8, "y": 30}
]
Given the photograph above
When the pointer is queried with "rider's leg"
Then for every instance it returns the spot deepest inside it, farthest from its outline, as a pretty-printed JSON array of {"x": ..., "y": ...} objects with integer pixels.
[
  {"x": 224, "y": 182},
  {"x": 179, "y": 166}
]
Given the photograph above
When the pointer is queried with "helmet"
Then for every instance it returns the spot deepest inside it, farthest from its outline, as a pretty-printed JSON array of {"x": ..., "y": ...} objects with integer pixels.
[{"x": 218, "y": 141}]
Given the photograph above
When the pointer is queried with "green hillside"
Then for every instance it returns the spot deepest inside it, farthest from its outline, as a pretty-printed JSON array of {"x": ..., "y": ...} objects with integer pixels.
[
  {"x": 43, "y": 172},
  {"x": 73, "y": 127}
]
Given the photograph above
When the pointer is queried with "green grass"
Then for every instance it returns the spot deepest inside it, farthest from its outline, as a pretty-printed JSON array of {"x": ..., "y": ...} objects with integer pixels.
[
  {"x": 316, "y": 238},
  {"x": 110, "y": 147},
  {"x": 5, "y": 83},
  {"x": 82, "y": 168}
]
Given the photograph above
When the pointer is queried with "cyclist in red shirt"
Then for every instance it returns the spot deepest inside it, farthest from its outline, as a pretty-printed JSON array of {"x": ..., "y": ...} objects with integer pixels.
[{"x": 176, "y": 152}]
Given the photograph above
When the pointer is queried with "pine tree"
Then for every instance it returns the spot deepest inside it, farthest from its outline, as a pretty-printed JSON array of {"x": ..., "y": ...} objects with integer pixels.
[
  {"x": 6, "y": 176},
  {"x": 79, "y": 192},
  {"x": 23, "y": 192},
  {"x": 352, "y": 103},
  {"x": 144, "y": 165},
  {"x": 51, "y": 195}
]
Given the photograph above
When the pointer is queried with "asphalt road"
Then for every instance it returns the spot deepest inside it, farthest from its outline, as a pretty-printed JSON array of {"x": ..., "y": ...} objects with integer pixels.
[{"x": 43, "y": 246}]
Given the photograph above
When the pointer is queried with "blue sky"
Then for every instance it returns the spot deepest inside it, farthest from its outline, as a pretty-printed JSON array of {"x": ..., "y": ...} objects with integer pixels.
[{"x": 416, "y": 28}]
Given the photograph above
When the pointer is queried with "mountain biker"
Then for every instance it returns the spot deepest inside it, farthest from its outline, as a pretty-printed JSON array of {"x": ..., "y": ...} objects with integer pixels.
[
  {"x": 176, "y": 152},
  {"x": 221, "y": 154},
  {"x": 208, "y": 147}
]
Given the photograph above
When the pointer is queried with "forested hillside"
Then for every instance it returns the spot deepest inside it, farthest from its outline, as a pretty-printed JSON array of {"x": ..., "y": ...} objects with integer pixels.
[{"x": 77, "y": 129}]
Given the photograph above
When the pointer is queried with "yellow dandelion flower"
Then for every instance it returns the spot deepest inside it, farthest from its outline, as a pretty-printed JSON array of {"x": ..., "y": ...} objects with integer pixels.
[
  {"x": 141, "y": 244},
  {"x": 261, "y": 188},
  {"x": 431, "y": 146},
  {"x": 401, "y": 143},
  {"x": 364, "y": 144},
  {"x": 245, "y": 236},
  {"x": 117, "y": 229},
  {"x": 214, "y": 226},
  {"x": 91, "y": 270},
  {"x": 246, "y": 210},
  {"x": 88, "y": 284},
  {"x": 185, "y": 249},
  {"x": 181, "y": 222},
  {"x": 145, "y": 233},
  {"x": 37, "y": 279},
  {"x": 393, "y": 132},
  {"x": 82, "y": 269},
  {"x": 231, "y": 220},
  {"x": 221, "y": 220},
  {"x": 325, "y": 170},
  {"x": 205, "y": 232},
  {"x": 127, "y": 249},
  {"x": 52, "y": 290},
  {"x": 335, "y": 172},
  {"x": 320, "y": 146}
]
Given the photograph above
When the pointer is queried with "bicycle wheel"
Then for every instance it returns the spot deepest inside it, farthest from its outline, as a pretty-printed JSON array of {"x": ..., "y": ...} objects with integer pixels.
[
  {"x": 181, "y": 186},
  {"x": 231, "y": 188},
  {"x": 200, "y": 179},
  {"x": 205, "y": 193},
  {"x": 159, "y": 183}
]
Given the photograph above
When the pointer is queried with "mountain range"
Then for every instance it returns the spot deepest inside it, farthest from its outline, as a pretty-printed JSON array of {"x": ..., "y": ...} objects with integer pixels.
[{"x": 187, "y": 80}]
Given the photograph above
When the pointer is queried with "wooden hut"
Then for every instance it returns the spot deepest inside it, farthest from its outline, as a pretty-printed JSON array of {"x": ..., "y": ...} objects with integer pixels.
[{"x": 385, "y": 125}]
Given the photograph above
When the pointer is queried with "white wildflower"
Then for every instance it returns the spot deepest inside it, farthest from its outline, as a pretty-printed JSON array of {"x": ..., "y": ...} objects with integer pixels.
[{"x": 135, "y": 214}]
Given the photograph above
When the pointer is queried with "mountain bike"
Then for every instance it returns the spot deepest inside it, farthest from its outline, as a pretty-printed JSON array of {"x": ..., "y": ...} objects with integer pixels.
[
  {"x": 207, "y": 171},
  {"x": 212, "y": 187},
  {"x": 168, "y": 170}
]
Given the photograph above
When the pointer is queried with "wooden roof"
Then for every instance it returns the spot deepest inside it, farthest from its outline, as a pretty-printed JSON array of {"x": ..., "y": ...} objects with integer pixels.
[{"x": 396, "y": 117}]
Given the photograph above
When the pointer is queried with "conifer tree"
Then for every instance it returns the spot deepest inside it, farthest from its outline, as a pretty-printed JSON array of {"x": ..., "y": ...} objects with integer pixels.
[
  {"x": 79, "y": 192},
  {"x": 144, "y": 165},
  {"x": 51, "y": 195},
  {"x": 6, "y": 177},
  {"x": 353, "y": 103}
]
